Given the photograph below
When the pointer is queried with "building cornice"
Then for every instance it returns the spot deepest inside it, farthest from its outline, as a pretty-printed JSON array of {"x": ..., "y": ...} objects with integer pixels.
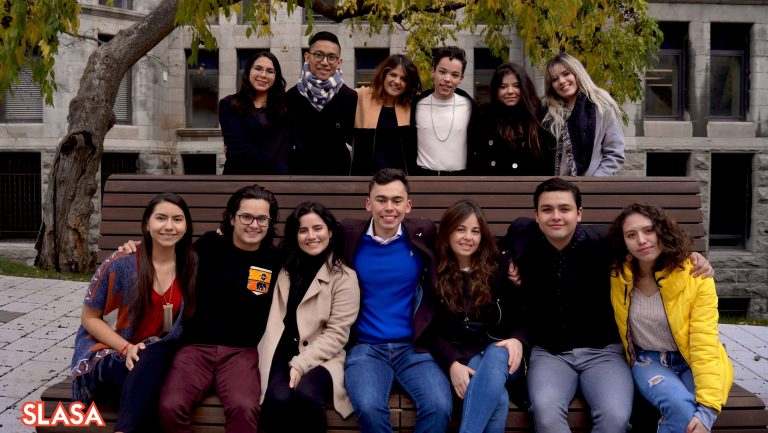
[{"x": 111, "y": 12}]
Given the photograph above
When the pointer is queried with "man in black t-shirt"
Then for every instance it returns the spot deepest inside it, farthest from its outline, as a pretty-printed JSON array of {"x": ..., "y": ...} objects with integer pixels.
[{"x": 236, "y": 276}]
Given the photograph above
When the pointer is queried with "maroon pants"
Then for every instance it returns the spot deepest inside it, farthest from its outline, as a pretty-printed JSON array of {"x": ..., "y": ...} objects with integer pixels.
[{"x": 233, "y": 372}]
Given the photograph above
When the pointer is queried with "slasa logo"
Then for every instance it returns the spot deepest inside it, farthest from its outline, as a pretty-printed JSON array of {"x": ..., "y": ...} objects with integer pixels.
[{"x": 33, "y": 415}]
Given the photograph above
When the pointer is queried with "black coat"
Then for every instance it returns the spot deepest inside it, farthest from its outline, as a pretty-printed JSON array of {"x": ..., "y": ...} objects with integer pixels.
[
  {"x": 321, "y": 140},
  {"x": 566, "y": 294},
  {"x": 490, "y": 154}
]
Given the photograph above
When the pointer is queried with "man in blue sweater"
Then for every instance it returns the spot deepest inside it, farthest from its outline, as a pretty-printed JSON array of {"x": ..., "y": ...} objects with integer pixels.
[{"x": 395, "y": 266}]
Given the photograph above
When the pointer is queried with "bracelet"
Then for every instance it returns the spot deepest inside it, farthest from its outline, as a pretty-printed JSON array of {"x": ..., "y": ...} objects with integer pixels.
[{"x": 123, "y": 351}]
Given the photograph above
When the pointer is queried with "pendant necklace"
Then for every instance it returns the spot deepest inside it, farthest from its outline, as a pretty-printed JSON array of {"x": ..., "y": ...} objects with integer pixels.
[{"x": 453, "y": 113}]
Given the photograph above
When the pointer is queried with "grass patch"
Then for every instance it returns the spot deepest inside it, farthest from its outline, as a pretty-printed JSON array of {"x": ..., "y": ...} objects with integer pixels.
[
  {"x": 15, "y": 269},
  {"x": 741, "y": 320}
]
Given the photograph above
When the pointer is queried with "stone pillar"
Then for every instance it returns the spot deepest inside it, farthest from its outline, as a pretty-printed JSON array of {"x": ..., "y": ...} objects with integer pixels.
[
  {"x": 758, "y": 78},
  {"x": 698, "y": 76}
]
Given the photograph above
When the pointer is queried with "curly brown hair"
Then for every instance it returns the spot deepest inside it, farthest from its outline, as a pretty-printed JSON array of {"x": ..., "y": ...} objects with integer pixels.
[
  {"x": 674, "y": 242},
  {"x": 449, "y": 282}
]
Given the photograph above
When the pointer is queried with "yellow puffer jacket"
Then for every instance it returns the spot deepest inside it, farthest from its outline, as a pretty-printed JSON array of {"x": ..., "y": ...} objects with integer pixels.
[{"x": 691, "y": 307}]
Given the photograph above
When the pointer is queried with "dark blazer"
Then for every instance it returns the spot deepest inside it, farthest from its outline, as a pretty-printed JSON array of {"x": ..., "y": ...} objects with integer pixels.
[
  {"x": 489, "y": 154},
  {"x": 566, "y": 294},
  {"x": 321, "y": 140},
  {"x": 421, "y": 234}
]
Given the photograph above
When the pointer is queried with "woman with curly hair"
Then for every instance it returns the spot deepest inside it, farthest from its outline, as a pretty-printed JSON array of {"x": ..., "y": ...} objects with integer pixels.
[
  {"x": 585, "y": 120},
  {"x": 506, "y": 137},
  {"x": 476, "y": 342},
  {"x": 668, "y": 320},
  {"x": 384, "y": 136},
  {"x": 253, "y": 122}
]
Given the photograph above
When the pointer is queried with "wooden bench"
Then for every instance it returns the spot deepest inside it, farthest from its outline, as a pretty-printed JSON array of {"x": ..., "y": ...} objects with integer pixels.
[{"x": 503, "y": 198}]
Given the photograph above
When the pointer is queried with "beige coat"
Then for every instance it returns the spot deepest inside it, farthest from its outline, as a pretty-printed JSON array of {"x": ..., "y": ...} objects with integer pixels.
[{"x": 324, "y": 318}]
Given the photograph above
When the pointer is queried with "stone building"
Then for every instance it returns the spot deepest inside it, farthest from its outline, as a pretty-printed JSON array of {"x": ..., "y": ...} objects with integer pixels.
[{"x": 705, "y": 114}]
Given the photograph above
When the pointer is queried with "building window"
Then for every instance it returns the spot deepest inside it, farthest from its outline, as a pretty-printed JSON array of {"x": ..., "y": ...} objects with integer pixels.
[
  {"x": 665, "y": 80},
  {"x": 122, "y": 4},
  {"x": 23, "y": 102},
  {"x": 733, "y": 307},
  {"x": 118, "y": 163},
  {"x": 666, "y": 164},
  {"x": 122, "y": 107},
  {"x": 730, "y": 201},
  {"x": 199, "y": 163},
  {"x": 20, "y": 196},
  {"x": 485, "y": 65},
  {"x": 203, "y": 90},
  {"x": 319, "y": 19},
  {"x": 728, "y": 68},
  {"x": 366, "y": 61}
]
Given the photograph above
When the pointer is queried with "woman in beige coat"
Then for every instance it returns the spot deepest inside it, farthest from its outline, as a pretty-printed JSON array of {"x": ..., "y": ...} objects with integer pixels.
[{"x": 301, "y": 356}]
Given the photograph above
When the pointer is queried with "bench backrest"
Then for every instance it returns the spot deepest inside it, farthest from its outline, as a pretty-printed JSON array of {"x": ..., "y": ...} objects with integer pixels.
[{"x": 503, "y": 199}]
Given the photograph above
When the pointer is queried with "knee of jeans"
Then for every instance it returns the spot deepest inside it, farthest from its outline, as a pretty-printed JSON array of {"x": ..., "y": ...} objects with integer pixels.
[
  {"x": 497, "y": 354},
  {"x": 438, "y": 403},
  {"x": 612, "y": 420}
]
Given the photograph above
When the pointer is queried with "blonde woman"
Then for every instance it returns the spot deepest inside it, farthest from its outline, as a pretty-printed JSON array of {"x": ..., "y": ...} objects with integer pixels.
[{"x": 585, "y": 120}]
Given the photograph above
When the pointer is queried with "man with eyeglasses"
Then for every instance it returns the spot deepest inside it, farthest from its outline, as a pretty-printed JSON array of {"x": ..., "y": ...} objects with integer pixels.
[
  {"x": 237, "y": 270},
  {"x": 322, "y": 111}
]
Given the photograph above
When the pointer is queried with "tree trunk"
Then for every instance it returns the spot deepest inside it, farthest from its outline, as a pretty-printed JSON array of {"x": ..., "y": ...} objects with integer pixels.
[{"x": 63, "y": 240}]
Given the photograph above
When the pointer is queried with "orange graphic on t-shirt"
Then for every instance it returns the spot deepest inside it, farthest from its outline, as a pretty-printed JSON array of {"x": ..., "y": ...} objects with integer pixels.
[{"x": 258, "y": 280}]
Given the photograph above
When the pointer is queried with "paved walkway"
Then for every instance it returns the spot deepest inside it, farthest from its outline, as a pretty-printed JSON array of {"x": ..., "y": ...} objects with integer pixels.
[{"x": 39, "y": 318}]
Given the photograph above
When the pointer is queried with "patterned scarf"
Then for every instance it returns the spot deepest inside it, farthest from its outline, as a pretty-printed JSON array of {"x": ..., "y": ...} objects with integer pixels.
[
  {"x": 577, "y": 138},
  {"x": 318, "y": 93}
]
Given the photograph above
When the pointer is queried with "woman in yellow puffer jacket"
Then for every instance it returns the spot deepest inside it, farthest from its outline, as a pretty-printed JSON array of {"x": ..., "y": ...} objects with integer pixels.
[{"x": 668, "y": 321}]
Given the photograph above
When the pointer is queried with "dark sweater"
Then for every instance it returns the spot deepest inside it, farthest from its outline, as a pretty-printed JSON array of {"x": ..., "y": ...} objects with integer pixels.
[
  {"x": 566, "y": 293},
  {"x": 227, "y": 312},
  {"x": 320, "y": 139}
]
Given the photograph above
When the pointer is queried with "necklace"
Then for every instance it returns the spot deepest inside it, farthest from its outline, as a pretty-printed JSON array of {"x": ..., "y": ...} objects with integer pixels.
[{"x": 431, "y": 116}]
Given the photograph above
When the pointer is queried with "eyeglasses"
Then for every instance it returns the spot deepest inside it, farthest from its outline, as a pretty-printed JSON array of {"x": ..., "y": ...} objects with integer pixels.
[
  {"x": 247, "y": 219},
  {"x": 318, "y": 56},
  {"x": 267, "y": 72}
]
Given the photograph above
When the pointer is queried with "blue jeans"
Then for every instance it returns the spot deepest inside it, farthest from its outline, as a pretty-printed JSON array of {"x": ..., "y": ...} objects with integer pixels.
[
  {"x": 666, "y": 381},
  {"x": 604, "y": 379},
  {"x": 486, "y": 402},
  {"x": 369, "y": 372}
]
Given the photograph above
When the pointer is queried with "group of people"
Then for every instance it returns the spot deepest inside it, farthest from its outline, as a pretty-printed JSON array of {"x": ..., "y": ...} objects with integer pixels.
[
  {"x": 321, "y": 126},
  {"x": 342, "y": 310}
]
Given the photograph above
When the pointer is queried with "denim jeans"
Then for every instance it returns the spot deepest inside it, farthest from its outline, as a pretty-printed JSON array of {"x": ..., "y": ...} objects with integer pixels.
[
  {"x": 369, "y": 372},
  {"x": 486, "y": 402},
  {"x": 666, "y": 381},
  {"x": 604, "y": 379}
]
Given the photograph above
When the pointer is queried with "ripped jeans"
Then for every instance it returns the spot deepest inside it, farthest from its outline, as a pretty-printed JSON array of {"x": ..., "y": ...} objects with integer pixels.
[{"x": 666, "y": 381}]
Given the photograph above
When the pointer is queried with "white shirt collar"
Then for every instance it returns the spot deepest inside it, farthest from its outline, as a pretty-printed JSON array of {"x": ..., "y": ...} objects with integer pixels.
[{"x": 379, "y": 239}]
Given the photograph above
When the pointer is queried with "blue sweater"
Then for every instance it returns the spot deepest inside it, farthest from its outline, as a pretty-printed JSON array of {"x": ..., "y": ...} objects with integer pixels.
[{"x": 388, "y": 275}]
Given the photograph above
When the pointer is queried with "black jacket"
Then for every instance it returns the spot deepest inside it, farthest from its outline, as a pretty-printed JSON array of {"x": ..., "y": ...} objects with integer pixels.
[
  {"x": 321, "y": 140},
  {"x": 489, "y": 154},
  {"x": 566, "y": 294}
]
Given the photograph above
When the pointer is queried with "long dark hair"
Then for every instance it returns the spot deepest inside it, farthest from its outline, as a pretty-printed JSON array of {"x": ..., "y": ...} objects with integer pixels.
[
  {"x": 243, "y": 100},
  {"x": 333, "y": 256},
  {"x": 674, "y": 242},
  {"x": 186, "y": 261},
  {"x": 482, "y": 271},
  {"x": 413, "y": 81},
  {"x": 233, "y": 205},
  {"x": 522, "y": 119}
]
